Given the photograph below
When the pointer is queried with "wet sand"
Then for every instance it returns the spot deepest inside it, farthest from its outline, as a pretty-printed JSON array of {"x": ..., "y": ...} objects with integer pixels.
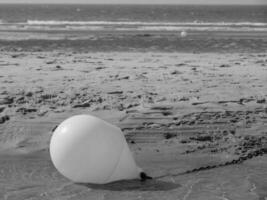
[
  {"x": 179, "y": 111},
  {"x": 135, "y": 41}
]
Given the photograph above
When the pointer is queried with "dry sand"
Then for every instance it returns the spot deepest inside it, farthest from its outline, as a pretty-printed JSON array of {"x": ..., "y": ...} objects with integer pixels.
[{"x": 179, "y": 111}]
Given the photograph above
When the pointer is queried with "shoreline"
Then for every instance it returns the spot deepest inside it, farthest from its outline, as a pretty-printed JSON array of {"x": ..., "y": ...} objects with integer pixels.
[
  {"x": 137, "y": 44},
  {"x": 134, "y": 41}
]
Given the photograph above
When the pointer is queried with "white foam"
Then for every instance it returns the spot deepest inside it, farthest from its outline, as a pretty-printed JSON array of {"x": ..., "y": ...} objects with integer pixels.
[
  {"x": 196, "y": 23},
  {"x": 133, "y": 26}
]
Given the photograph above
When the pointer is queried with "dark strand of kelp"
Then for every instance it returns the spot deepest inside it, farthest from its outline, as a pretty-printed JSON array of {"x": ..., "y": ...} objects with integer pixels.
[{"x": 241, "y": 159}]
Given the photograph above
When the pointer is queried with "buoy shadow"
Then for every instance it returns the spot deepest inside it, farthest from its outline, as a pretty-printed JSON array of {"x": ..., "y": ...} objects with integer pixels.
[{"x": 134, "y": 185}]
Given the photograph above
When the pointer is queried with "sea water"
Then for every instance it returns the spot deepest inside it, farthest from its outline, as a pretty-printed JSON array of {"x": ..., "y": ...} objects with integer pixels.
[{"x": 140, "y": 18}]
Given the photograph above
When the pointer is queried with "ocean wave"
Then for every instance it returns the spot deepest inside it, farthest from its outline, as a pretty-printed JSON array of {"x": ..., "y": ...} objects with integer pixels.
[
  {"x": 138, "y": 23},
  {"x": 33, "y": 25},
  {"x": 139, "y": 28}
]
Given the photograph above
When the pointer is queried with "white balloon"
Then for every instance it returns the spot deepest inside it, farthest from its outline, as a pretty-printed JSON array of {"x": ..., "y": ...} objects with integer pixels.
[
  {"x": 183, "y": 34},
  {"x": 86, "y": 149}
]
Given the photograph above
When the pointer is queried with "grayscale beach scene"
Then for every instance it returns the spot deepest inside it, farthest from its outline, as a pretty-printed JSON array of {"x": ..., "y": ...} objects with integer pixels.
[{"x": 185, "y": 83}]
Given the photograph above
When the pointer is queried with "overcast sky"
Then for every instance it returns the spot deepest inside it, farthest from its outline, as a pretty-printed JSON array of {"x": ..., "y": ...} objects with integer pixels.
[{"x": 142, "y": 1}]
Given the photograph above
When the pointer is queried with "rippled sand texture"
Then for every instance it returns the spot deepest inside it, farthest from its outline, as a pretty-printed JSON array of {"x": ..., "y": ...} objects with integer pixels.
[{"x": 179, "y": 111}]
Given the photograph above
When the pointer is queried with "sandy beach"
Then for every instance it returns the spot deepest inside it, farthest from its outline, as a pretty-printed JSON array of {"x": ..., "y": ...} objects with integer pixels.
[{"x": 179, "y": 110}]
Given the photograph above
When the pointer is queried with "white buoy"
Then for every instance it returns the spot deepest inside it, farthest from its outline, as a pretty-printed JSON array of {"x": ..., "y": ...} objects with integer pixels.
[
  {"x": 86, "y": 149},
  {"x": 183, "y": 34}
]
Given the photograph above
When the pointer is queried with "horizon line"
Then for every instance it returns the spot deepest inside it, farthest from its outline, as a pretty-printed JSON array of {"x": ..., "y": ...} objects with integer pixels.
[{"x": 219, "y": 4}]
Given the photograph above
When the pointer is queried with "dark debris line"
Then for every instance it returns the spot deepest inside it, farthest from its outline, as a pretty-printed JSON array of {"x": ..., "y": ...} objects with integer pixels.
[{"x": 239, "y": 160}]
